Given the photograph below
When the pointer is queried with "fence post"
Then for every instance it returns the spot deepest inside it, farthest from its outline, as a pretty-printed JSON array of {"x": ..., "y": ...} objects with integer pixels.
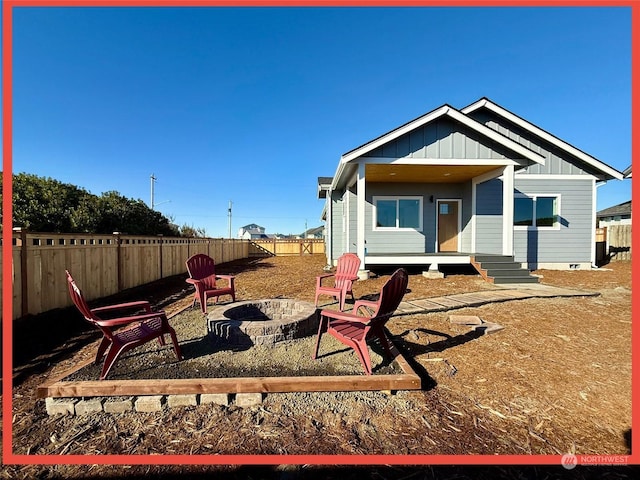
[
  {"x": 118, "y": 241},
  {"x": 24, "y": 284},
  {"x": 160, "y": 253}
]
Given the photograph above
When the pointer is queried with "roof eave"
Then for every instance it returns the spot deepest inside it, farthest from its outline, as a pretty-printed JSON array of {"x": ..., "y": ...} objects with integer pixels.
[{"x": 521, "y": 122}]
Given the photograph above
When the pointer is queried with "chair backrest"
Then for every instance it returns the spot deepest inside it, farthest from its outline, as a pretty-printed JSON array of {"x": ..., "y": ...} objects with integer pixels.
[
  {"x": 201, "y": 266},
  {"x": 391, "y": 295},
  {"x": 78, "y": 299},
  {"x": 347, "y": 268}
]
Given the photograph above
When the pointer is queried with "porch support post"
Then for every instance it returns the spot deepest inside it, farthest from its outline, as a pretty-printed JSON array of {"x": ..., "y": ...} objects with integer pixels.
[
  {"x": 507, "y": 210},
  {"x": 360, "y": 202},
  {"x": 329, "y": 226}
]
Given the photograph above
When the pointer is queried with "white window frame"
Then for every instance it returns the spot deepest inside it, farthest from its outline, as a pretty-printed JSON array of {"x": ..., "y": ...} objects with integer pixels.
[
  {"x": 397, "y": 199},
  {"x": 534, "y": 197}
]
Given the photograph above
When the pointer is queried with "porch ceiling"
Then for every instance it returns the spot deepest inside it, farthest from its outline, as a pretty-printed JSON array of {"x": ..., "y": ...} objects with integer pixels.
[{"x": 425, "y": 173}]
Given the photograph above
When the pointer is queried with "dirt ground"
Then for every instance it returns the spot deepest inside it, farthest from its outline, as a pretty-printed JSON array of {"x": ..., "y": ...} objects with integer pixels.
[{"x": 555, "y": 380}]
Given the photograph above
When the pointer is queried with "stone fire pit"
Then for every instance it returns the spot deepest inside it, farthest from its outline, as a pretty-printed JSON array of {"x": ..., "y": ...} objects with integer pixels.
[{"x": 262, "y": 322}]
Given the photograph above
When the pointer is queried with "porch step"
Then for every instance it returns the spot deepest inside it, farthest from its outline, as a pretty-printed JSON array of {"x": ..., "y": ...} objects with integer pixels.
[
  {"x": 504, "y": 280},
  {"x": 501, "y": 269}
]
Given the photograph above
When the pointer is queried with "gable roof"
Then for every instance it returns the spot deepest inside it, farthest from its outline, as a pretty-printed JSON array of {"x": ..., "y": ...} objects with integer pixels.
[
  {"x": 443, "y": 111},
  {"x": 324, "y": 184},
  {"x": 537, "y": 131},
  {"x": 627, "y": 172},
  {"x": 621, "y": 209}
]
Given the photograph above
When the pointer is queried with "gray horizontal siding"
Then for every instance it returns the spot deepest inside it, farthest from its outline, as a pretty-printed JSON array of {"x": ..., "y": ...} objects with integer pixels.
[
  {"x": 489, "y": 217},
  {"x": 390, "y": 242},
  {"x": 337, "y": 244},
  {"x": 353, "y": 223},
  {"x": 444, "y": 139},
  {"x": 572, "y": 243}
]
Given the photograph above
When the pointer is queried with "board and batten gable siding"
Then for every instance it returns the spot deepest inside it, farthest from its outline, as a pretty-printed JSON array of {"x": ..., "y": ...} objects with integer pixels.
[
  {"x": 441, "y": 139},
  {"x": 413, "y": 241},
  {"x": 557, "y": 161},
  {"x": 489, "y": 217},
  {"x": 572, "y": 243}
]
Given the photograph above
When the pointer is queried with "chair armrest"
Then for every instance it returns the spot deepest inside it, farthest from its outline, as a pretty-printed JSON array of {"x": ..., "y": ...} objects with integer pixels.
[
  {"x": 123, "y": 306},
  {"x": 114, "y": 322},
  {"x": 229, "y": 278},
  {"x": 351, "y": 316},
  {"x": 320, "y": 277},
  {"x": 338, "y": 315},
  {"x": 192, "y": 281},
  {"x": 367, "y": 304}
]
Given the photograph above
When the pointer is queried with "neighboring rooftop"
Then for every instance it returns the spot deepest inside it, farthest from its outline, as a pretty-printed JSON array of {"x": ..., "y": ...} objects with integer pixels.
[{"x": 616, "y": 210}]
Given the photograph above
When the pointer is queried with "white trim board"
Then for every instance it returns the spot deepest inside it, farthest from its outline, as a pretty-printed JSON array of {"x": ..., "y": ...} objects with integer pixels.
[{"x": 552, "y": 139}]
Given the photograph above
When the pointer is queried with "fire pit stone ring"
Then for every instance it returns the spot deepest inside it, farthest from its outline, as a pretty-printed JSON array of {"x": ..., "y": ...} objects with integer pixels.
[{"x": 262, "y": 322}]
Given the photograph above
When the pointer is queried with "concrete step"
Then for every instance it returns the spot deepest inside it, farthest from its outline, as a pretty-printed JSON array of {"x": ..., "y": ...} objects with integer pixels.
[
  {"x": 501, "y": 265},
  {"x": 506, "y": 280},
  {"x": 507, "y": 272},
  {"x": 493, "y": 258},
  {"x": 502, "y": 269}
]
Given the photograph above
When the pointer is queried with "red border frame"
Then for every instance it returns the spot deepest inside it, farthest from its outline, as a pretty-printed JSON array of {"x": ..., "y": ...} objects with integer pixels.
[{"x": 7, "y": 326}]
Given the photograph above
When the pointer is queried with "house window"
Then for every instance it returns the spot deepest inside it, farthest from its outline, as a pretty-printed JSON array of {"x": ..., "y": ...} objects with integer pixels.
[
  {"x": 536, "y": 211},
  {"x": 397, "y": 213}
]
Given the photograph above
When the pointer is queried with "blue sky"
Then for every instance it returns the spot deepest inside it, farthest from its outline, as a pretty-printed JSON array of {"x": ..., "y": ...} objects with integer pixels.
[{"x": 253, "y": 104}]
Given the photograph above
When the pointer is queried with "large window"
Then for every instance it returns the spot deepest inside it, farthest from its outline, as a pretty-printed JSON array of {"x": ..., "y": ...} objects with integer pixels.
[
  {"x": 537, "y": 211},
  {"x": 396, "y": 213}
]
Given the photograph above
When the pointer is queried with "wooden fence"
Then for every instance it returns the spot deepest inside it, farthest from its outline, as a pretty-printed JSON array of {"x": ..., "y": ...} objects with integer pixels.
[
  {"x": 618, "y": 238},
  {"x": 286, "y": 247},
  {"x": 101, "y": 264}
]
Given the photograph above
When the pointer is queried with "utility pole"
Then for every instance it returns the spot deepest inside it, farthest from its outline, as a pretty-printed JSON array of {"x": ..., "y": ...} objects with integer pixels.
[
  {"x": 153, "y": 201},
  {"x": 230, "y": 218},
  {"x": 153, "y": 181}
]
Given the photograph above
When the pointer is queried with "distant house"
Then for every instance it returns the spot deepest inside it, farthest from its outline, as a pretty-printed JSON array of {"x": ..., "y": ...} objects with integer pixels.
[
  {"x": 456, "y": 184},
  {"x": 252, "y": 232},
  {"x": 616, "y": 215},
  {"x": 317, "y": 232}
]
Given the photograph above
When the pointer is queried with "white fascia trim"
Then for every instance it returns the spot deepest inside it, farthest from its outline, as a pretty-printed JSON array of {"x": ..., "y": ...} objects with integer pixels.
[
  {"x": 543, "y": 176},
  {"x": 456, "y": 115},
  {"x": 439, "y": 112},
  {"x": 544, "y": 135},
  {"x": 433, "y": 162},
  {"x": 412, "y": 259},
  {"x": 594, "y": 216},
  {"x": 497, "y": 137},
  {"x": 336, "y": 177}
]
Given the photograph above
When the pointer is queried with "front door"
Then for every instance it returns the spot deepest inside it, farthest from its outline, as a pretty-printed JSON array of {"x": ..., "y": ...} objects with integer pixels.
[{"x": 448, "y": 225}]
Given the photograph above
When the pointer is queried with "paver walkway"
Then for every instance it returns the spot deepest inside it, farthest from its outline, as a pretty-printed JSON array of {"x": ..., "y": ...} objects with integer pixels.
[{"x": 500, "y": 294}]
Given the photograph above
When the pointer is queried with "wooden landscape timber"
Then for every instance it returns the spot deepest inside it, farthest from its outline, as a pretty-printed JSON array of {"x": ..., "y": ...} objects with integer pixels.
[{"x": 57, "y": 388}]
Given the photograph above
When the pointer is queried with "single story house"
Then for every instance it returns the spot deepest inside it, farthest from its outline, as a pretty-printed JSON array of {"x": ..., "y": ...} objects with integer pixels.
[
  {"x": 617, "y": 215},
  {"x": 470, "y": 186}
]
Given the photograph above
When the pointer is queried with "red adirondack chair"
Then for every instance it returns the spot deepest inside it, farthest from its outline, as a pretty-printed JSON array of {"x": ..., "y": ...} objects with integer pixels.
[
  {"x": 202, "y": 273},
  {"x": 346, "y": 273},
  {"x": 354, "y": 330},
  {"x": 136, "y": 330}
]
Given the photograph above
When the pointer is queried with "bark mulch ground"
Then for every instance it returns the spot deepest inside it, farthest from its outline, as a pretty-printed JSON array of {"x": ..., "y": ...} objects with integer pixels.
[{"x": 555, "y": 380}]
